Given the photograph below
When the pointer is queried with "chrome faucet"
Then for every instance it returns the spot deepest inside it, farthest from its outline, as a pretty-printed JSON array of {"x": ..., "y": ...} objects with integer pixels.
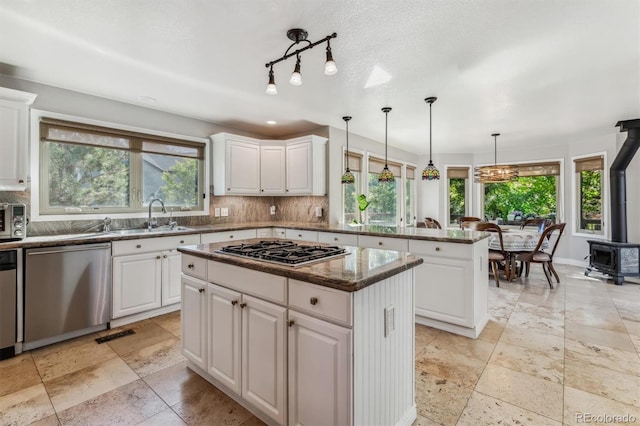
[
  {"x": 106, "y": 224},
  {"x": 152, "y": 223}
]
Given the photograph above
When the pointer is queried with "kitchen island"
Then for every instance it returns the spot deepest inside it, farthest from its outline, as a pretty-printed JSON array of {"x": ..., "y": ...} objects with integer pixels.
[{"x": 331, "y": 342}]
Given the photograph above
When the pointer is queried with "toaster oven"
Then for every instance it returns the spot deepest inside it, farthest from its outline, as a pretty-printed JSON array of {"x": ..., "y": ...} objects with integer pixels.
[{"x": 13, "y": 222}]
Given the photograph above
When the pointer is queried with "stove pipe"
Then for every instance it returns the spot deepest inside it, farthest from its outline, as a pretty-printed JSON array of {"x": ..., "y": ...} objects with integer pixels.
[{"x": 617, "y": 174}]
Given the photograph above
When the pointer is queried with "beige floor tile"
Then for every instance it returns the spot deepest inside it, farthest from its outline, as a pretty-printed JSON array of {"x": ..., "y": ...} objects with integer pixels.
[
  {"x": 176, "y": 383},
  {"x": 537, "y": 318},
  {"x": 65, "y": 345},
  {"x": 199, "y": 408},
  {"x": 440, "y": 400},
  {"x": 452, "y": 366},
  {"x": 533, "y": 340},
  {"x": 606, "y": 319},
  {"x": 612, "y": 339},
  {"x": 82, "y": 385},
  {"x": 70, "y": 358},
  {"x": 628, "y": 307},
  {"x": 603, "y": 381},
  {"x": 25, "y": 406},
  {"x": 18, "y": 373},
  {"x": 633, "y": 327},
  {"x": 156, "y": 357},
  {"x": 147, "y": 333},
  {"x": 549, "y": 300},
  {"x": 424, "y": 336},
  {"x": 604, "y": 356},
  {"x": 492, "y": 331},
  {"x": 165, "y": 418},
  {"x": 475, "y": 348},
  {"x": 532, "y": 393},
  {"x": 254, "y": 421},
  {"x": 52, "y": 420},
  {"x": 484, "y": 410},
  {"x": 545, "y": 365},
  {"x": 127, "y": 405},
  {"x": 578, "y": 404},
  {"x": 423, "y": 421},
  {"x": 170, "y": 322}
]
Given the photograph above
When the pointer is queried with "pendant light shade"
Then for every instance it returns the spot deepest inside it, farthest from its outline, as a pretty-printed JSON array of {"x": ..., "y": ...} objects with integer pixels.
[
  {"x": 386, "y": 175},
  {"x": 430, "y": 172},
  {"x": 495, "y": 173},
  {"x": 347, "y": 177}
]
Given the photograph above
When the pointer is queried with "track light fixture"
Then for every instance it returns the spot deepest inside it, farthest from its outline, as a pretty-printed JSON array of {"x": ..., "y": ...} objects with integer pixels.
[{"x": 298, "y": 35}]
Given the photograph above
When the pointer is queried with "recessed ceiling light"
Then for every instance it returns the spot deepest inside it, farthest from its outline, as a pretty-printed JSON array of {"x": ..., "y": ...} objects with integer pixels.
[
  {"x": 271, "y": 122},
  {"x": 147, "y": 99}
]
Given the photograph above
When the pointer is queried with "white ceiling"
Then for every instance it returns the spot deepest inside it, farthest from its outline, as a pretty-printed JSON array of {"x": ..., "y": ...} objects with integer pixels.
[{"x": 534, "y": 70}]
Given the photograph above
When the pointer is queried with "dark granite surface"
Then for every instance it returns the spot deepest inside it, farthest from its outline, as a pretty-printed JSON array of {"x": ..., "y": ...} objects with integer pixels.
[
  {"x": 444, "y": 235},
  {"x": 358, "y": 269}
]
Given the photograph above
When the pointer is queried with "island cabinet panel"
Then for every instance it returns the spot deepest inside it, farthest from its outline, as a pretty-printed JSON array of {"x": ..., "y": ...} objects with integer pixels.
[
  {"x": 324, "y": 302},
  {"x": 224, "y": 318},
  {"x": 319, "y": 372},
  {"x": 194, "y": 321}
]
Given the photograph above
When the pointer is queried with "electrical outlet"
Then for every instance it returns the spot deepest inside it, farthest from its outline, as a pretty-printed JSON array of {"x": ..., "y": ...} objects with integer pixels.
[
  {"x": 318, "y": 211},
  {"x": 389, "y": 320},
  {"x": 224, "y": 211},
  {"x": 272, "y": 210},
  {"x": 216, "y": 212}
]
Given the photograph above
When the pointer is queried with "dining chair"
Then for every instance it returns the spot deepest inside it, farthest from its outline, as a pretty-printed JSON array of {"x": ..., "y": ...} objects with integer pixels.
[
  {"x": 496, "y": 256},
  {"x": 538, "y": 223},
  {"x": 545, "y": 257},
  {"x": 432, "y": 223}
]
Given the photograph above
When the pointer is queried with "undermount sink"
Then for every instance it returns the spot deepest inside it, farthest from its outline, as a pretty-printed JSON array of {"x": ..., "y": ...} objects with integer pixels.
[{"x": 165, "y": 228}]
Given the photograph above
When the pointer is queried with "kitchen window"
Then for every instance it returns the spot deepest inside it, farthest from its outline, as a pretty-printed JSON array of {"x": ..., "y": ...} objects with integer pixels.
[
  {"x": 384, "y": 197},
  {"x": 458, "y": 193},
  {"x": 589, "y": 194},
  {"x": 351, "y": 213},
  {"x": 86, "y": 168}
]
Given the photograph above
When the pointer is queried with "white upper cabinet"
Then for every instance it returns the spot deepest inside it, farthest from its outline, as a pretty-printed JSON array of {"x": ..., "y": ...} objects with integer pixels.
[
  {"x": 14, "y": 135},
  {"x": 246, "y": 166}
]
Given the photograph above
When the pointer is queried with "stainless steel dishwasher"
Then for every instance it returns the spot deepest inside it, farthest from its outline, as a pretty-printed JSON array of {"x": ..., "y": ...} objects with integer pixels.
[{"x": 67, "y": 292}]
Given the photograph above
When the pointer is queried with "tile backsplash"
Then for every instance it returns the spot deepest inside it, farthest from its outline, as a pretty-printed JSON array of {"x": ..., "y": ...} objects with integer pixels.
[{"x": 240, "y": 209}]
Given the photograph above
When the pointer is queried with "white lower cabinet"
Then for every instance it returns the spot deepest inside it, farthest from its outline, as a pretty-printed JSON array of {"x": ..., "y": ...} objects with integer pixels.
[
  {"x": 136, "y": 283},
  {"x": 194, "y": 320},
  {"x": 319, "y": 372}
]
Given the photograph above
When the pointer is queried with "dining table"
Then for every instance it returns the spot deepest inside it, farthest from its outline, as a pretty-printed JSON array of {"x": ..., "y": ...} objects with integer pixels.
[{"x": 515, "y": 241}]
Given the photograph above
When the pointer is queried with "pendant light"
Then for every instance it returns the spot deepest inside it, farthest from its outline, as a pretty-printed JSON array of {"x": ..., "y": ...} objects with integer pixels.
[
  {"x": 347, "y": 177},
  {"x": 386, "y": 175},
  {"x": 430, "y": 172},
  {"x": 495, "y": 173}
]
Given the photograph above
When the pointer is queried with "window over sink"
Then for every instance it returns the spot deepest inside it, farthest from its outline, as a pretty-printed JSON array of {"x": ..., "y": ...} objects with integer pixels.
[{"x": 87, "y": 167}]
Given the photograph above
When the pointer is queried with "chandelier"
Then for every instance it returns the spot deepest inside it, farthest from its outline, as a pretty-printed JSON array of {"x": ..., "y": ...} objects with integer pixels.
[
  {"x": 386, "y": 175},
  {"x": 347, "y": 177},
  {"x": 495, "y": 173},
  {"x": 430, "y": 172},
  {"x": 298, "y": 35}
]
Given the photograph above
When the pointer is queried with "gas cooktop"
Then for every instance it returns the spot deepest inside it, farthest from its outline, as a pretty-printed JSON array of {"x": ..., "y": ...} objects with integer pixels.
[{"x": 285, "y": 252}]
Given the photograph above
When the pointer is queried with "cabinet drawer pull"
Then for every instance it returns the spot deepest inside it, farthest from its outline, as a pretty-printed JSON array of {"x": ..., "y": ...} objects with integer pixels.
[
  {"x": 437, "y": 248},
  {"x": 313, "y": 300},
  {"x": 201, "y": 290},
  {"x": 234, "y": 302},
  {"x": 21, "y": 181},
  {"x": 379, "y": 243},
  {"x": 157, "y": 257},
  {"x": 190, "y": 266},
  {"x": 299, "y": 235},
  {"x": 335, "y": 238},
  {"x": 242, "y": 305},
  {"x": 181, "y": 241},
  {"x": 138, "y": 245},
  {"x": 230, "y": 236},
  {"x": 290, "y": 323}
]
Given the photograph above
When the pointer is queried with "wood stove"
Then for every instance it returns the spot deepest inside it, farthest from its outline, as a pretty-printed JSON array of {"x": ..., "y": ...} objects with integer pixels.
[{"x": 618, "y": 260}]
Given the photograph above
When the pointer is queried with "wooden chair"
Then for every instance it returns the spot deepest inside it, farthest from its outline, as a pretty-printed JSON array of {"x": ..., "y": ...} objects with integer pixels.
[
  {"x": 544, "y": 257},
  {"x": 432, "y": 223},
  {"x": 496, "y": 256},
  {"x": 539, "y": 223},
  {"x": 470, "y": 224}
]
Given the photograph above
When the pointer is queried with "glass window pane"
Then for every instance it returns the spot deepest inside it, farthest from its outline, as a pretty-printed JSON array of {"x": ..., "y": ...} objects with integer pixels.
[
  {"x": 173, "y": 179},
  {"x": 410, "y": 210},
  {"x": 384, "y": 206},
  {"x": 350, "y": 205},
  {"x": 87, "y": 176},
  {"x": 457, "y": 199},
  {"x": 591, "y": 201},
  {"x": 526, "y": 197}
]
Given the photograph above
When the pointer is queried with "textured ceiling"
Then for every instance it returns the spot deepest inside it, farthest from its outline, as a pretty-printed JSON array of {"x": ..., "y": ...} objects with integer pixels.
[{"x": 534, "y": 70}]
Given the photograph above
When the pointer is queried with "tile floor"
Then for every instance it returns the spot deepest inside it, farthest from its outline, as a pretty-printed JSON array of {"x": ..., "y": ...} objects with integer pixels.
[{"x": 545, "y": 358}]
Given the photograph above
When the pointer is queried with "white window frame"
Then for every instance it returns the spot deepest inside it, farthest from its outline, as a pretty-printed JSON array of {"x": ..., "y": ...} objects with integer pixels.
[
  {"x": 362, "y": 169},
  {"x": 414, "y": 196},
  {"x": 575, "y": 195},
  {"x": 468, "y": 192},
  {"x": 36, "y": 216}
]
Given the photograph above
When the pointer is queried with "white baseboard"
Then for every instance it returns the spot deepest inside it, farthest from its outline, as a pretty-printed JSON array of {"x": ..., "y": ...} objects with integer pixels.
[{"x": 118, "y": 322}]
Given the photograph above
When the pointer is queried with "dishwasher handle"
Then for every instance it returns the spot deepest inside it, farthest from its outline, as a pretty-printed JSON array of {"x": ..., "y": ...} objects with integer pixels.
[{"x": 68, "y": 249}]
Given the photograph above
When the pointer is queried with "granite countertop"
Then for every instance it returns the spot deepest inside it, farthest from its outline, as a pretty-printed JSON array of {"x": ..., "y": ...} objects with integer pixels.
[
  {"x": 444, "y": 235},
  {"x": 359, "y": 268}
]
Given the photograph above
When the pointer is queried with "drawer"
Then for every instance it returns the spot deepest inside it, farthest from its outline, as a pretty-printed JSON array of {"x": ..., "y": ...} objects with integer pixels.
[
  {"x": 264, "y": 233},
  {"x": 323, "y": 302},
  {"x": 194, "y": 266},
  {"x": 279, "y": 233},
  {"x": 145, "y": 245},
  {"x": 440, "y": 249},
  {"x": 297, "y": 234},
  {"x": 337, "y": 238},
  {"x": 384, "y": 243},
  {"x": 217, "y": 237},
  {"x": 256, "y": 283}
]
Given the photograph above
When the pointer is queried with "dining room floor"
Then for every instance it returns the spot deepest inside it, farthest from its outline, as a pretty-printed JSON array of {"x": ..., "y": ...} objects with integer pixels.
[{"x": 547, "y": 357}]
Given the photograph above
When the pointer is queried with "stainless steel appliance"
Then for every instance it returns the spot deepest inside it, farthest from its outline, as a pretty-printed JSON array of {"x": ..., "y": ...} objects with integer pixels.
[
  {"x": 9, "y": 265},
  {"x": 67, "y": 292},
  {"x": 285, "y": 252},
  {"x": 13, "y": 222}
]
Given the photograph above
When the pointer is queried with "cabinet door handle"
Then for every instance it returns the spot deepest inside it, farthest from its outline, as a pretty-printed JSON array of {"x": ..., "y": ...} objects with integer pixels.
[
  {"x": 437, "y": 248},
  {"x": 190, "y": 266},
  {"x": 290, "y": 323},
  {"x": 181, "y": 241},
  {"x": 242, "y": 305},
  {"x": 21, "y": 181},
  {"x": 157, "y": 257},
  {"x": 138, "y": 245},
  {"x": 201, "y": 290},
  {"x": 164, "y": 256},
  {"x": 299, "y": 235},
  {"x": 234, "y": 302},
  {"x": 313, "y": 300},
  {"x": 335, "y": 238},
  {"x": 262, "y": 190}
]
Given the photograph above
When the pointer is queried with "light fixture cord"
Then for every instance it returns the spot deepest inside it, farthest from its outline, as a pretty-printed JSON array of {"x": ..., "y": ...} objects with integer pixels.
[
  {"x": 386, "y": 116},
  {"x": 495, "y": 150},
  {"x": 430, "y": 121},
  {"x": 346, "y": 154}
]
